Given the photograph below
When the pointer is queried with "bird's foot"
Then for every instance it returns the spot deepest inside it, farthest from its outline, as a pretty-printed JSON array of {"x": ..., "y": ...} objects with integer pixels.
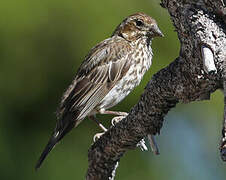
[
  {"x": 117, "y": 113},
  {"x": 97, "y": 136},
  {"x": 116, "y": 119},
  {"x": 98, "y": 123}
]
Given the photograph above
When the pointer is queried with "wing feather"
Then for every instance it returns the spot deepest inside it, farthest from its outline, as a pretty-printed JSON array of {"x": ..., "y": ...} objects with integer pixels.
[{"x": 103, "y": 67}]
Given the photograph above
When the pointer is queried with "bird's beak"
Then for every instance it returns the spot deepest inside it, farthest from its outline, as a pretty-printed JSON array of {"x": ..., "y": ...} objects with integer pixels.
[{"x": 157, "y": 32}]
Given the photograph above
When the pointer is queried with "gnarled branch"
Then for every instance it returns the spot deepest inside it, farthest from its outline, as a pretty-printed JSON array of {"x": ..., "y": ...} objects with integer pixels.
[{"x": 199, "y": 24}]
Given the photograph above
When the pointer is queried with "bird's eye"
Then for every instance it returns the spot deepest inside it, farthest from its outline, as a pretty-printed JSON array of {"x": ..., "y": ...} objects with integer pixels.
[{"x": 139, "y": 23}]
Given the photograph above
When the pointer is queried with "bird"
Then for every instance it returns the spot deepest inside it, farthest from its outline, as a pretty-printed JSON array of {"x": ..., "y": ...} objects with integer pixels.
[{"x": 109, "y": 72}]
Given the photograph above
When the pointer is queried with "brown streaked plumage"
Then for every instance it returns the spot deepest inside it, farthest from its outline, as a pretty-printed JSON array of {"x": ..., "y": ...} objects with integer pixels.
[{"x": 108, "y": 74}]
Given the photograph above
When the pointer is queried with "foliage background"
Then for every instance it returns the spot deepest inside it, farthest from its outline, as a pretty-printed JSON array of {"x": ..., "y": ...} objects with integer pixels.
[{"x": 42, "y": 44}]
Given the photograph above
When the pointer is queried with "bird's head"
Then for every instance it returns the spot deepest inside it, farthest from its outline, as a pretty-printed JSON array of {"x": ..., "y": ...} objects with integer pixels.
[{"x": 136, "y": 26}]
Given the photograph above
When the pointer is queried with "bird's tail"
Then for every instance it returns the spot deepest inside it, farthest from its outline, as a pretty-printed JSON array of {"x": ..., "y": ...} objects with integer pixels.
[
  {"x": 52, "y": 142},
  {"x": 61, "y": 130}
]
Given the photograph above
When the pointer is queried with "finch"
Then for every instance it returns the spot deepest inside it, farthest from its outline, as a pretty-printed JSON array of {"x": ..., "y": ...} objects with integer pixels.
[{"x": 110, "y": 71}]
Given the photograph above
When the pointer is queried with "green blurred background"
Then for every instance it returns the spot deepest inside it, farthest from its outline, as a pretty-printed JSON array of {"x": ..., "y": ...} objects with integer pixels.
[{"x": 42, "y": 44}]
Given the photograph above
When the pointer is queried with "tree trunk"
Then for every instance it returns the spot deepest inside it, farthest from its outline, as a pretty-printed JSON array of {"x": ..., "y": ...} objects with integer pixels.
[{"x": 196, "y": 73}]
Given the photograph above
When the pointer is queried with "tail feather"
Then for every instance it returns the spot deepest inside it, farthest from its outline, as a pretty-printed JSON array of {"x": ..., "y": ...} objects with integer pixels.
[
  {"x": 56, "y": 137},
  {"x": 64, "y": 125},
  {"x": 52, "y": 142}
]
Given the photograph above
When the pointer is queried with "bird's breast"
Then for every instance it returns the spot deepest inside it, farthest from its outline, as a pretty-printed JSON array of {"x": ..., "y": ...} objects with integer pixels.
[{"x": 141, "y": 63}]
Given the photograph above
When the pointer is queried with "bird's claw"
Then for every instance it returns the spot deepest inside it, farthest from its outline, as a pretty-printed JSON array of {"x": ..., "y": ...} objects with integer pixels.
[
  {"x": 97, "y": 136},
  {"x": 124, "y": 114},
  {"x": 116, "y": 119}
]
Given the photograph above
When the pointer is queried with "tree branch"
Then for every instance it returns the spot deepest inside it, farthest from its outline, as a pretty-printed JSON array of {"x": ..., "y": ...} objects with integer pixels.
[{"x": 184, "y": 80}]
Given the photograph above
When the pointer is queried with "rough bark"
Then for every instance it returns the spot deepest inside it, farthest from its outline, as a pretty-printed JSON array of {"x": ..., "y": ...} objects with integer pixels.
[{"x": 199, "y": 23}]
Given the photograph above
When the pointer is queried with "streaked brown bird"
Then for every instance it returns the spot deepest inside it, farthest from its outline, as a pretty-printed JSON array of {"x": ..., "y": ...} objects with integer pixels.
[{"x": 111, "y": 70}]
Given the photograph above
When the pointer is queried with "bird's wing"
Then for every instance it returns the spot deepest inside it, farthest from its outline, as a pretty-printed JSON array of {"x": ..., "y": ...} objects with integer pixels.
[{"x": 105, "y": 65}]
